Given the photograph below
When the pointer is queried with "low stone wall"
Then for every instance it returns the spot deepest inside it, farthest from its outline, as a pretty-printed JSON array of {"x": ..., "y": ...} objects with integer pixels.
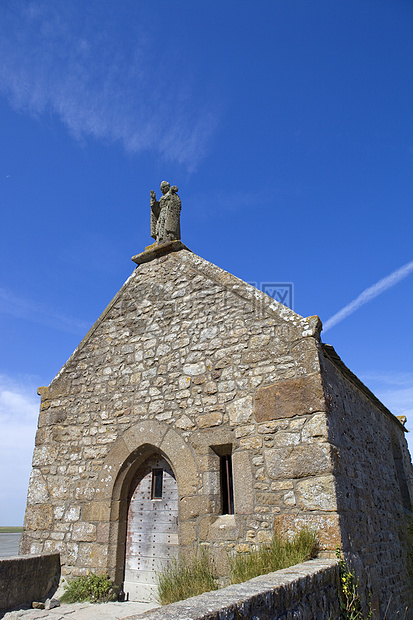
[
  {"x": 24, "y": 579},
  {"x": 303, "y": 592}
]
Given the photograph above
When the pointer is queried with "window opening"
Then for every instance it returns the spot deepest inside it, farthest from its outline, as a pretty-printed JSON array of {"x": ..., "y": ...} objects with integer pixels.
[
  {"x": 227, "y": 492},
  {"x": 157, "y": 483}
]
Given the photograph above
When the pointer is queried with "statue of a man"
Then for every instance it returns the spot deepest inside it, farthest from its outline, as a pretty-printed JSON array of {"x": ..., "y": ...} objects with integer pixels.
[{"x": 165, "y": 214}]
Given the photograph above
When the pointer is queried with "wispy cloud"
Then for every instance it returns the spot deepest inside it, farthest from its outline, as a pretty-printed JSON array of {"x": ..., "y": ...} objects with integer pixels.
[
  {"x": 105, "y": 75},
  {"x": 28, "y": 310},
  {"x": 395, "y": 390},
  {"x": 399, "y": 379},
  {"x": 399, "y": 401},
  {"x": 369, "y": 293},
  {"x": 19, "y": 409}
]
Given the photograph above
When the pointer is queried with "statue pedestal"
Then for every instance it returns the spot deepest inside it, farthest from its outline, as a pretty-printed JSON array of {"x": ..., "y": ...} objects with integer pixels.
[{"x": 156, "y": 250}]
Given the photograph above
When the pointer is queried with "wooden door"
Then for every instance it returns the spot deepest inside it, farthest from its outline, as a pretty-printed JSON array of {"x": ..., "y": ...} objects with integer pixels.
[{"x": 152, "y": 529}]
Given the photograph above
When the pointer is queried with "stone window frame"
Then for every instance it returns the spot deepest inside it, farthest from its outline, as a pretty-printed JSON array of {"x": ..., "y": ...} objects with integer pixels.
[{"x": 226, "y": 478}]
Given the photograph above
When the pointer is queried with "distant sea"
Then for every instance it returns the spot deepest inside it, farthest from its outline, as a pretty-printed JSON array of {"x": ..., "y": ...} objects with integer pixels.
[{"x": 9, "y": 544}]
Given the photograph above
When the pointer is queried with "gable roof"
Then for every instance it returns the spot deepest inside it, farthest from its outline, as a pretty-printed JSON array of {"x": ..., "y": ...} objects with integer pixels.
[{"x": 187, "y": 260}]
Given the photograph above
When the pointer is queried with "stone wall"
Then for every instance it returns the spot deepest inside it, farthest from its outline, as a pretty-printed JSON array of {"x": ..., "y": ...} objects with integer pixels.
[
  {"x": 27, "y": 579},
  {"x": 306, "y": 591},
  {"x": 371, "y": 494},
  {"x": 186, "y": 359}
]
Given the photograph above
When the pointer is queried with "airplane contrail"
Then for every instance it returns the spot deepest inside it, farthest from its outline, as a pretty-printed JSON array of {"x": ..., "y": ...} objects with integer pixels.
[{"x": 369, "y": 293}]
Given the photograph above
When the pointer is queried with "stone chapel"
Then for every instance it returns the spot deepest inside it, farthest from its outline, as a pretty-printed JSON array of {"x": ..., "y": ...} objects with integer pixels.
[{"x": 199, "y": 411}]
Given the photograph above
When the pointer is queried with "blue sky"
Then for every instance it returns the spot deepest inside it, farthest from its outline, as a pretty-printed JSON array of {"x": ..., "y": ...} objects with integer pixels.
[{"x": 287, "y": 126}]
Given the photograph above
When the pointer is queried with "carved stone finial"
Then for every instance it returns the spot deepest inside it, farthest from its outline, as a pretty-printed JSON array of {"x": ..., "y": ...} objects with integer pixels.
[{"x": 165, "y": 214}]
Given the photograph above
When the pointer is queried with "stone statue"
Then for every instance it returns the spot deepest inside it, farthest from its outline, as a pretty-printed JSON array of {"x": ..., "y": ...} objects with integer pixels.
[{"x": 165, "y": 214}]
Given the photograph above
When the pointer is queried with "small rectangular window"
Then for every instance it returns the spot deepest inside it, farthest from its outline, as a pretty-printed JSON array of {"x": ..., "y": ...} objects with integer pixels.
[
  {"x": 227, "y": 492},
  {"x": 157, "y": 483}
]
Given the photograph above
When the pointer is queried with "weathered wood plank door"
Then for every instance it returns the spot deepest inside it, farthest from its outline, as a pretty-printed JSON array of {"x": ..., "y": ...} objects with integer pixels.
[{"x": 152, "y": 529}]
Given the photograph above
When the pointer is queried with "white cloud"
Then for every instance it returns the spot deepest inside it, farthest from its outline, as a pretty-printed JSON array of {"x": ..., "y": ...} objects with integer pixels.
[
  {"x": 399, "y": 401},
  {"x": 27, "y": 309},
  {"x": 370, "y": 293},
  {"x": 395, "y": 390},
  {"x": 19, "y": 410},
  {"x": 402, "y": 379},
  {"x": 126, "y": 85}
]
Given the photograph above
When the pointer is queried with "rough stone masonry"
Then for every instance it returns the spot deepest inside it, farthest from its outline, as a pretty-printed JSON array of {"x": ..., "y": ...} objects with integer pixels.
[{"x": 261, "y": 424}]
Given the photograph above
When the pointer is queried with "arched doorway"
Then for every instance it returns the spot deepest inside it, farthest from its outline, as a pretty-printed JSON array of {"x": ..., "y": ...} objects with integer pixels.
[{"x": 152, "y": 527}]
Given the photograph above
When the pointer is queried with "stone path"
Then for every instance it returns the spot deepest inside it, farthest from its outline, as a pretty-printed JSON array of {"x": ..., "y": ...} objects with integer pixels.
[{"x": 83, "y": 611}]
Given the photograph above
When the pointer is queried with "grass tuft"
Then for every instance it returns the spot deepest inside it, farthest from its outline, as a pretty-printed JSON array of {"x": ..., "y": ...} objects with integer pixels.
[
  {"x": 280, "y": 553},
  {"x": 92, "y": 588},
  {"x": 182, "y": 579}
]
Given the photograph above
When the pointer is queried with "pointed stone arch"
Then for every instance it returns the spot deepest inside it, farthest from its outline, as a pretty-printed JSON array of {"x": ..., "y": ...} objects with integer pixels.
[
  {"x": 130, "y": 451},
  {"x": 152, "y": 528}
]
